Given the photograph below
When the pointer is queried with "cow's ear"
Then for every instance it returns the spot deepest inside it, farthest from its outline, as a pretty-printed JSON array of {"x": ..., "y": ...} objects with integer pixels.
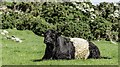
[
  {"x": 59, "y": 33},
  {"x": 44, "y": 33}
]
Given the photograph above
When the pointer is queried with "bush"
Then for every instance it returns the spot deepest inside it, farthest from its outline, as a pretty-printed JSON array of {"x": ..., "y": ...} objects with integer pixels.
[{"x": 63, "y": 17}]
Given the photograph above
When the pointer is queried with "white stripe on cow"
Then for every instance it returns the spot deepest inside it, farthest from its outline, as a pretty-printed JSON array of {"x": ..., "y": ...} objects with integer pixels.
[{"x": 81, "y": 48}]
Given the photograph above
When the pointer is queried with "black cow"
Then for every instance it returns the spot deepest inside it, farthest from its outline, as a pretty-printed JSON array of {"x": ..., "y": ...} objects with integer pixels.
[{"x": 59, "y": 47}]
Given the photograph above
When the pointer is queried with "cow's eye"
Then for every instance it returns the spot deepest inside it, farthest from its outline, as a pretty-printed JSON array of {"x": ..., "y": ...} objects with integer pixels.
[{"x": 53, "y": 36}]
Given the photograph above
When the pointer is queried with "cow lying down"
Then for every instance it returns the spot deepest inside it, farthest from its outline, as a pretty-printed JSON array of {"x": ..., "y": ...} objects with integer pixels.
[{"x": 60, "y": 47}]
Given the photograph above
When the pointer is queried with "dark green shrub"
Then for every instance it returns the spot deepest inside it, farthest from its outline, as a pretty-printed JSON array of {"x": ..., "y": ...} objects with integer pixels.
[{"x": 63, "y": 17}]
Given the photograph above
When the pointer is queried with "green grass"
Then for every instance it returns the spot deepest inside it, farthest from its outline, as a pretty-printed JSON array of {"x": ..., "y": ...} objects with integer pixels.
[
  {"x": 0, "y": 56},
  {"x": 33, "y": 48}
]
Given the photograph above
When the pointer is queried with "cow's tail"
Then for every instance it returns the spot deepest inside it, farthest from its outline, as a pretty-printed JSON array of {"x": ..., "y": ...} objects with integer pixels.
[{"x": 104, "y": 57}]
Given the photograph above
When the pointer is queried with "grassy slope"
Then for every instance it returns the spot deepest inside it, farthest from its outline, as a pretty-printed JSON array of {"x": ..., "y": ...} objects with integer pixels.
[
  {"x": 33, "y": 47},
  {"x": 0, "y": 51}
]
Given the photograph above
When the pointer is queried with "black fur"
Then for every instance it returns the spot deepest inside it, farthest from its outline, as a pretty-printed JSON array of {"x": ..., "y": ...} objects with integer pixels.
[
  {"x": 64, "y": 49},
  {"x": 57, "y": 47},
  {"x": 94, "y": 51}
]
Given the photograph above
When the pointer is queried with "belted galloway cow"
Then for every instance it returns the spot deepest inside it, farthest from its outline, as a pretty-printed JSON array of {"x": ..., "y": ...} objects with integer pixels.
[{"x": 60, "y": 47}]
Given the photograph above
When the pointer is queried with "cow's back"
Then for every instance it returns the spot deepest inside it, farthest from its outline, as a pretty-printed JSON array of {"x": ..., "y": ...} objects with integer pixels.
[
  {"x": 81, "y": 48},
  {"x": 64, "y": 49}
]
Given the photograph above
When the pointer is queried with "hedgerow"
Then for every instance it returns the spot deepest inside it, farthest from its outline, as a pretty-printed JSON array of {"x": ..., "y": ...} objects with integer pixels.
[{"x": 72, "y": 19}]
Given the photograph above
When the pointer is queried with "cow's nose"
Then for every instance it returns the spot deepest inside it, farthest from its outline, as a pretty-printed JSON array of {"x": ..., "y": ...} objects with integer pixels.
[{"x": 46, "y": 41}]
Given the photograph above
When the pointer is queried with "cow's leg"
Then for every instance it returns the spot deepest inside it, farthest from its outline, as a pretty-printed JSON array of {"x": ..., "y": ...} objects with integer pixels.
[
  {"x": 53, "y": 53},
  {"x": 48, "y": 53}
]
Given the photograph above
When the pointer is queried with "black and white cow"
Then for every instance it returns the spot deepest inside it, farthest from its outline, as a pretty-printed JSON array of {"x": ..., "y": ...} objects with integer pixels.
[{"x": 60, "y": 47}]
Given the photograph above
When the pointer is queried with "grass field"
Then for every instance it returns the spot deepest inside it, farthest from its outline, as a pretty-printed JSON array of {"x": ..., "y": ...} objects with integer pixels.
[{"x": 33, "y": 48}]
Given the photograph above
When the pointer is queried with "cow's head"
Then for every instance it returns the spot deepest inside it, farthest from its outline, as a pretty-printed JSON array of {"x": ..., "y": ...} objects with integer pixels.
[{"x": 50, "y": 36}]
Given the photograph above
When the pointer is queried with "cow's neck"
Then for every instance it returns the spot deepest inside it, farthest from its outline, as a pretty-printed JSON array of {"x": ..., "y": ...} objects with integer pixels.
[{"x": 59, "y": 41}]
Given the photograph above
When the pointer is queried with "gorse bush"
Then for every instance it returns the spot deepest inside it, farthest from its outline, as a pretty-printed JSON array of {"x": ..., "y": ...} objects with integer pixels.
[
  {"x": 25, "y": 21},
  {"x": 79, "y": 19}
]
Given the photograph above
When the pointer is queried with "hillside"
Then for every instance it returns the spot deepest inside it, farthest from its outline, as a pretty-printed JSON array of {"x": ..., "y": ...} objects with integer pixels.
[{"x": 26, "y": 23}]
